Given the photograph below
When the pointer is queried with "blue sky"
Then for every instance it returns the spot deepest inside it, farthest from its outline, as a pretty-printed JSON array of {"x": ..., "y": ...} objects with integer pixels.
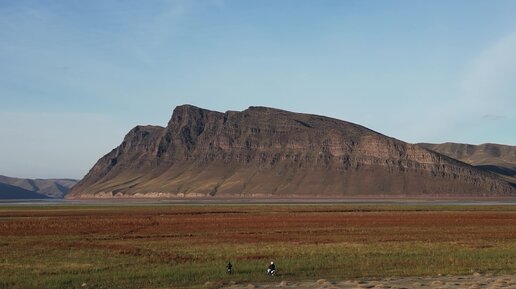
[{"x": 75, "y": 76}]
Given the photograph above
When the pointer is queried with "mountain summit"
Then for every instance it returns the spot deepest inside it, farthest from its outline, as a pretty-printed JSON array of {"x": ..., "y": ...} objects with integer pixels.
[{"x": 266, "y": 152}]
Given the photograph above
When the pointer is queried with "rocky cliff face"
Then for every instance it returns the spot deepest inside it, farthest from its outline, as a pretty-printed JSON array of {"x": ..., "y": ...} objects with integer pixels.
[{"x": 265, "y": 152}]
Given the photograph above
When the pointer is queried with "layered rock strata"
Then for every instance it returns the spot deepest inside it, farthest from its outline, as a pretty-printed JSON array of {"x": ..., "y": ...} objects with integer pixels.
[{"x": 266, "y": 152}]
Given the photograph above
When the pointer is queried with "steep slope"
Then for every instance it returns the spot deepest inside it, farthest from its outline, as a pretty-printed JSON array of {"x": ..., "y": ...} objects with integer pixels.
[
  {"x": 8, "y": 192},
  {"x": 53, "y": 188},
  {"x": 265, "y": 152},
  {"x": 496, "y": 158}
]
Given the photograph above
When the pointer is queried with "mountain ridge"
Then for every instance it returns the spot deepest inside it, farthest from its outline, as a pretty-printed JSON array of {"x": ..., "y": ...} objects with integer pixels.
[
  {"x": 268, "y": 152},
  {"x": 497, "y": 158},
  {"x": 52, "y": 188},
  {"x": 8, "y": 192}
]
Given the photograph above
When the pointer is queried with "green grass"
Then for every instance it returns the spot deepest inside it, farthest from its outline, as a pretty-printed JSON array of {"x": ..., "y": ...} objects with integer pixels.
[
  {"x": 136, "y": 261},
  {"x": 47, "y": 268}
]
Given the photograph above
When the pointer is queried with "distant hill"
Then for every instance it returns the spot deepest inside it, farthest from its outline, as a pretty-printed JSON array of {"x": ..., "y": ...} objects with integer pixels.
[
  {"x": 52, "y": 188},
  {"x": 266, "y": 152},
  {"x": 8, "y": 192},
  {"x": 497, "y": 158}
]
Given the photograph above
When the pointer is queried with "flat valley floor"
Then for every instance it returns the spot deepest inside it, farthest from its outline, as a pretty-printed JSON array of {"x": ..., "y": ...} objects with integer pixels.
[{"x": 314, "y": 246}]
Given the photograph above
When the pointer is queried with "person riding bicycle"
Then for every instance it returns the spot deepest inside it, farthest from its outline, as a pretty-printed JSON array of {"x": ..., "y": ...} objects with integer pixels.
[
  {"x": 229, "y": 268},
  {"x": 271, "y": 269}
]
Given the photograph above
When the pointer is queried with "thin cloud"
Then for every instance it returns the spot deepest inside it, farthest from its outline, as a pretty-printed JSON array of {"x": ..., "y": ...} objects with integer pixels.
[
  {"x": 486, "y": 91},
  {"x": 490, "y": 82},
  {"x": 493, "y": 117}
]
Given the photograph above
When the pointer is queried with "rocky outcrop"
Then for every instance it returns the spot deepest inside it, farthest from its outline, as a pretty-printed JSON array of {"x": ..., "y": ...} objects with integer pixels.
[{"x": 266, "y": 152}]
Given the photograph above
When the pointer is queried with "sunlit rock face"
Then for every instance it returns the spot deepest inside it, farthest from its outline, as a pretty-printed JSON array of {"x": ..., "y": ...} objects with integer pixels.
[{"x": 265, "y": 152}]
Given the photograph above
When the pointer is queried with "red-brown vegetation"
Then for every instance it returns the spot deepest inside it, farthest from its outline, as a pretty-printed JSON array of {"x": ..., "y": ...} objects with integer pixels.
[{"x": 251, "y": 225}]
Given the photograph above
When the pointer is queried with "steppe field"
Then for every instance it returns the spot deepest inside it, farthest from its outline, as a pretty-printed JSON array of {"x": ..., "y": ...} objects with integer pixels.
[{"x": 187, "y": 246}]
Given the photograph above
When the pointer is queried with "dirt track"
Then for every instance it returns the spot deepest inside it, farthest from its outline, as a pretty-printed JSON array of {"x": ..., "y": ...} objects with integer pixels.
[{"x": 475, "y": 281}]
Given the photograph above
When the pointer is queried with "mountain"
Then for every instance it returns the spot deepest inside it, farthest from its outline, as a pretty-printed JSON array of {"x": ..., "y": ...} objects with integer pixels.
[
  {"x": 266, "y": 152},
  {"x": 496, "y": 158},
  {"x": 52, "y": 188},
  {"x": 8, "y": 192}
]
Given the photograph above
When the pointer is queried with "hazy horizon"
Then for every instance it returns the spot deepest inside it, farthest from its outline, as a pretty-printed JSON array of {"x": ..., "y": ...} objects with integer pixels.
[{"x": 77, "y": 76}]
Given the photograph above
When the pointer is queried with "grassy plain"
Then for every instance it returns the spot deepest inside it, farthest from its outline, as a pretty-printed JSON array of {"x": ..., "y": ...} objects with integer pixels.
[{"x": 187, "y": 246}]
